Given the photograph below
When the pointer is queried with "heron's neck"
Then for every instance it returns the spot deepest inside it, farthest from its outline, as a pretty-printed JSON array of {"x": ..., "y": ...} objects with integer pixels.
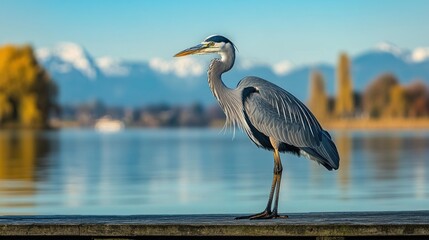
[
  {"x": 229, "y": 99},
  {"x": 216, "y": 69}
]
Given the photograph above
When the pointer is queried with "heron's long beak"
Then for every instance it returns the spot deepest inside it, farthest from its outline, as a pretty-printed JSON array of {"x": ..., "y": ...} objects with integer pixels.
[{"x": 193, "y": 50}]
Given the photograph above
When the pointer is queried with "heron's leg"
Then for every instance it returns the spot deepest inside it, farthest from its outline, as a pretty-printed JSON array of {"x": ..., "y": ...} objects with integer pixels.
[
  {"x": 270, "y": 199},
  {"x": 275, "y": 184},
  {"x": 278, "y": 170},
  {"x": 275, "y": 187},
  {"x": 267, "y": 211}
]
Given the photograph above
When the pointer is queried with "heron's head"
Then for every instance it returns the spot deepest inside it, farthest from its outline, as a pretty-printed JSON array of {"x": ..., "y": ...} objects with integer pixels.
[{"x": 212, "y": 44}]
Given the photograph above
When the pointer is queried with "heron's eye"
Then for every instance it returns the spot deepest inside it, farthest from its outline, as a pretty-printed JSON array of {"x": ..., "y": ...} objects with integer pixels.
[{"x": 211, "y": 44}]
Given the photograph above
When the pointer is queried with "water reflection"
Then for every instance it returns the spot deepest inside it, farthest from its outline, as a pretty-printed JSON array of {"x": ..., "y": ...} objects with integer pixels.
[
  {"x": 388, "y": 164},
  {"x": 23, "y": 160},
  {"x": 344, "y": 146},
  {"x": 384, "y": 153},
  {"x": 202, "y": 171}
]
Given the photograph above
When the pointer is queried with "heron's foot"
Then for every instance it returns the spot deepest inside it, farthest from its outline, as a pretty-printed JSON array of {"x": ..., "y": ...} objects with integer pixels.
[
  {"x": 263, "y": 215},
  {"x": 256, "y": 216}
]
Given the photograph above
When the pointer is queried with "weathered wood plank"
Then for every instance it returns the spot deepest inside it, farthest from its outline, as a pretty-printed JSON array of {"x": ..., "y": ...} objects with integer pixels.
[{"x": 304, "y": 225}]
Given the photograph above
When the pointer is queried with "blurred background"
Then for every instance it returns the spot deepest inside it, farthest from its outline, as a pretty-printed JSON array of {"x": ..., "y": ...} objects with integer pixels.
[{"x": 97, "y": 117}]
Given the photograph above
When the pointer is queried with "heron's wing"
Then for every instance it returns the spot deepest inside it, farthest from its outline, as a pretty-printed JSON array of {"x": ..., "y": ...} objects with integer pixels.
[{"x": 277, "y": 113}]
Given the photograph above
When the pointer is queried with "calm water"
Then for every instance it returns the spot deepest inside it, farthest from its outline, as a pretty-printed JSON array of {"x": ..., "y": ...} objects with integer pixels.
[{"x": 203, "y": 171}]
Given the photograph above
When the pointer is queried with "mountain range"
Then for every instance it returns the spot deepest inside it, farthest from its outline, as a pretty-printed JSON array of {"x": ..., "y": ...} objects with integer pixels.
[{"x": 83, "y": 78}]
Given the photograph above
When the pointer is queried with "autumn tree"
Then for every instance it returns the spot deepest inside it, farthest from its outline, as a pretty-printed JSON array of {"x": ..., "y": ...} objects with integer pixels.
[
  {"x": 318, "y": 101},
  {"x": 27, "y": 94},
  {"x": 398, "y": 102},
  {"x": 344, "y": 105},
  {"x": 417, "y": 97},
  {"x": 377, "y": 96}
]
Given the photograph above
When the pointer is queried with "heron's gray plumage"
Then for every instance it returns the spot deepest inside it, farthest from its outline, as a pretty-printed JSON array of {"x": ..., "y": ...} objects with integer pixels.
[
  {"x": 263, "y": 109},
  {"x": 275, "y": 112},
  {"x": 278, "y": 113}
]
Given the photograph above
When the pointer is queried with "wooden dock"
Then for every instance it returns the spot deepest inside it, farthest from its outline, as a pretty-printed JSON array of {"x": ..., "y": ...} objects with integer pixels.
[{"x": 353, "y": 225}]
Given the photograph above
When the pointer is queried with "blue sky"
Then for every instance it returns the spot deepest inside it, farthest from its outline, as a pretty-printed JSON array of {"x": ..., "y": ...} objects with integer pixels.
[{"x": 264, "y": 31}]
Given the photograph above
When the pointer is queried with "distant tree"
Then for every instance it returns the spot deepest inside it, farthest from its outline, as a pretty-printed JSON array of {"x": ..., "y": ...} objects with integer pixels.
[
  {"x": 318, "y": 102},
  {"x": 417, "y": 97},
  {"x": 398, "y": 102},
  {"x": 331, "y": 104},
  {"x": 344, "y": 105},
  {"x": 357, "y": 101},
  {"x": 377, "y": 96},
  {"x": 5, "y": 107},
  {"x": 27, "y": 93}
]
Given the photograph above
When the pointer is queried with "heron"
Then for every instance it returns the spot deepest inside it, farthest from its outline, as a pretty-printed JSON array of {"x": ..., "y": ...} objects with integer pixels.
[{"x": 271, "y": 117}]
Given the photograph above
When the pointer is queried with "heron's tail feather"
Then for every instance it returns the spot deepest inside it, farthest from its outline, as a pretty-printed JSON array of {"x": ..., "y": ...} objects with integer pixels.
[{"x": 326, "y": 153}]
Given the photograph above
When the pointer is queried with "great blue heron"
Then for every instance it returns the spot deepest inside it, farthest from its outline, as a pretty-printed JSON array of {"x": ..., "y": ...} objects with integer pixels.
[{"x": 272, "y": 118}]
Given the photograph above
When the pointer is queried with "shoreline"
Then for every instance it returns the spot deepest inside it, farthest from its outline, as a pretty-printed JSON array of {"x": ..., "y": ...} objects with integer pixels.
[
  {"x": 379, "y": 124},
  {"x": 332, "y": 124}
]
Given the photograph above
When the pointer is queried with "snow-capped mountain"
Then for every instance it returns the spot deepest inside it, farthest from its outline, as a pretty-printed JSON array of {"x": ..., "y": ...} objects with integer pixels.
[
  {"x": 420, "y": 54},
  {"x": 67, "y": 57},
  {"x": 391, "y": 48},
  {"x": 416, "y": 55},
  {"x": 112, "y": 67},
  {"x": 82, "y": 77},
  {"x": 406, "y": 65}
]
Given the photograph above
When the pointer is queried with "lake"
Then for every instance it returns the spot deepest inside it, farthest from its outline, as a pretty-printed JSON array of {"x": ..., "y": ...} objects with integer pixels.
[{"x": 201, "y": 171}]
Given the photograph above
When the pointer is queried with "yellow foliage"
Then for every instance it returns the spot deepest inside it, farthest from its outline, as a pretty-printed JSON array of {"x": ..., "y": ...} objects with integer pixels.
[
  {"x": 377, "y": 96},
  {"x": 397, "y": 105},
  {"x": 25, "y": 88},
  {"x": 318, "y": 102},
  {"x": 344, "y": 105},
  {"x": 29, "y": 114},
  {"x": 5, "y": 107}
]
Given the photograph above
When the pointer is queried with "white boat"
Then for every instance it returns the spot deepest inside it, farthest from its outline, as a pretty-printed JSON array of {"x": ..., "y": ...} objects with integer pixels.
[{"x": 107, "y": 124}]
